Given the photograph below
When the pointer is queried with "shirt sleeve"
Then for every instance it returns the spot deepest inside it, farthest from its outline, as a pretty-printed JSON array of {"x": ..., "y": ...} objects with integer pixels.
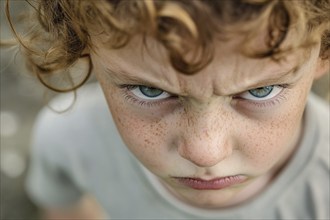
[{"x": 49, "y": 182}]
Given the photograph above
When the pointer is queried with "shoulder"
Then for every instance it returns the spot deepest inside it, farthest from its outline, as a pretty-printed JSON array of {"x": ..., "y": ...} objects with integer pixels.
[
  {"x": 319, "y": 106},
  {"x": 321, "y": 110},
  {"x": 72, "y": 111},
  {"x": 65, "y": 108},
  {"x": 318, "y": 173},
  {"x": 310, "y": 176},
  {"x": 76, "y": 127}
]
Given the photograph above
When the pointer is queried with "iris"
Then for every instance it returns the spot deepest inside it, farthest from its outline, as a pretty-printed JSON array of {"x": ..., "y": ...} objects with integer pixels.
[
  {"x": 261, "y": 92},
  {"x": 150, "y": 92}
]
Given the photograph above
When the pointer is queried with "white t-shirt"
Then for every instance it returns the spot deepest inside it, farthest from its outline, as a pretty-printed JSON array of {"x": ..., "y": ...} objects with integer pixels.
[{"x": 80, "y": 151}]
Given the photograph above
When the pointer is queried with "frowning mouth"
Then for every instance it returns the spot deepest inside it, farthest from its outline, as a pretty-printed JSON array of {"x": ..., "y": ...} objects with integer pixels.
[{"x": 213, "y": 184}]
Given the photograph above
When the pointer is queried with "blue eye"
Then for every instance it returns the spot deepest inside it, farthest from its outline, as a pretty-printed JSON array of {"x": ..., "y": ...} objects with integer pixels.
[
  {"x": 148, "y": 93},
  {"x": 262, "y": 93}
]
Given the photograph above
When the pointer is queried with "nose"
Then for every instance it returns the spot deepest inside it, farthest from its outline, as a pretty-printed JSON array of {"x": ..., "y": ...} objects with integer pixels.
[{"x": 205, "y": 138}]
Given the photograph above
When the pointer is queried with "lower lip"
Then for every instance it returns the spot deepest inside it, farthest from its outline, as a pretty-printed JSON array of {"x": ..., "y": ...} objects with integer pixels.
[{"x": 214, "y": 184}]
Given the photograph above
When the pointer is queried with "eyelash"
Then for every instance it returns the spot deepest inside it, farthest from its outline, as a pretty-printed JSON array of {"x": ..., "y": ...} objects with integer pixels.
[
  {"x": 143, "y": 103},
  {"x": 150, "y": 104},
  {"x": 267, "y": 103}
]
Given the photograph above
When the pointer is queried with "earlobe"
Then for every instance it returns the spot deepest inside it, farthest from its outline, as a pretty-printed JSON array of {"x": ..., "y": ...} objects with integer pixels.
[{"x": 323, "y": 67}]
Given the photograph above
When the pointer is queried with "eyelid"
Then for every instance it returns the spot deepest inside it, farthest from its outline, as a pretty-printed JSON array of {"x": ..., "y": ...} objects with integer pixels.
[
  {"x": 138, "y": 93},
  {"x": 239, "y": 95},
  {"x": 145, "y": 102},
  {"x": 139, "y": 96},
  {"x": 253, "y": 106},
  {"x": 274, "y": 92}
]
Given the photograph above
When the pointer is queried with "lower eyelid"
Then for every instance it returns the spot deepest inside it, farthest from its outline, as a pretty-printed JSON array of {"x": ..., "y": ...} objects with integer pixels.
[
  {"x": 273, "y": 93},
  {"x": 145, "y": 103},
  {"x": 278, "y": 99},
  {"x": 271, "y": 102}
]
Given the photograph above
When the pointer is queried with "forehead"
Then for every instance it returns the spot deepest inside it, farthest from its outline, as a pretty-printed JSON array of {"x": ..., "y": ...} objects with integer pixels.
[{"x": 228, "y": 73}]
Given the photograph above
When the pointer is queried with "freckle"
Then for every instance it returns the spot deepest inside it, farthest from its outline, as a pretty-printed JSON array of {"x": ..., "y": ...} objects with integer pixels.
[{"x": 147, "y": 141}]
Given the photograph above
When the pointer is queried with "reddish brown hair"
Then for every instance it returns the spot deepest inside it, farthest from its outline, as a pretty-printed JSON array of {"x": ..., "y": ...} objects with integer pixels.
[{"x": 63, "y": 28}]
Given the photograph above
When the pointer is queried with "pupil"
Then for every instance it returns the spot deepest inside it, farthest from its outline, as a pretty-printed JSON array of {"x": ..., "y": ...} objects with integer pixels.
[
  {"x": 150, "y": 92},
  {"x": 261, "y": 92}
]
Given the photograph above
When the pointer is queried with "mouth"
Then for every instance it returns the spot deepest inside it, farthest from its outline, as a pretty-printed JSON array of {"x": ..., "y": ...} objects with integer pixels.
[{"x": 213, "y": 184}]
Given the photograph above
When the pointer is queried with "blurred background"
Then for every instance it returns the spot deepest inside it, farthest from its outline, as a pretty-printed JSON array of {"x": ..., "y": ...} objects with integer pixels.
[{"x": 22, "y": 96}]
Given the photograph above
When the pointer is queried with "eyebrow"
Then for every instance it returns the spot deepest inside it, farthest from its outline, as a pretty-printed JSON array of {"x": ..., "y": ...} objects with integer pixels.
[
  {"x": 122, "y": 77},
  {"x": 281, "y": 77}
]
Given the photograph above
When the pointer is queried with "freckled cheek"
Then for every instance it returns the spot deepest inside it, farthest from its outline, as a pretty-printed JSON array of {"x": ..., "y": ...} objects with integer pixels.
[
  {"x": 270, "y": 140},
  {"x": 146, "y": 139},
  {"x": 267, "y": 143}
]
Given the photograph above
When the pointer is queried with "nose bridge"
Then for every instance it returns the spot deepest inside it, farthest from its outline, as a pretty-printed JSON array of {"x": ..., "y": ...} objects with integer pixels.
[{"x": 205, "y": 140}]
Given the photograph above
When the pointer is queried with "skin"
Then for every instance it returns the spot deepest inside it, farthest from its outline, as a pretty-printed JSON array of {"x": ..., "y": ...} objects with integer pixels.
[{"x": 208, "y": 126}]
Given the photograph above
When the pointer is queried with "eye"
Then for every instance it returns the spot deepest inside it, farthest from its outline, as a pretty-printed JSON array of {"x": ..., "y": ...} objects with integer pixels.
[
  {"x": 262, "y": 93},
  {"x": 148, "y": 93}
]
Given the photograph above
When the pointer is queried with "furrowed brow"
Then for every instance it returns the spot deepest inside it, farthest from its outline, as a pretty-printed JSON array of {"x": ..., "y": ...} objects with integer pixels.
[
  {"x": 120, "y": 77},
  {"x": 281, "y": 78}
]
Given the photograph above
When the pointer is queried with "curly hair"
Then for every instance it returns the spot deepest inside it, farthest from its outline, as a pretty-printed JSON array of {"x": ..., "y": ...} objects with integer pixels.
[{"x": 63, "y": 29}]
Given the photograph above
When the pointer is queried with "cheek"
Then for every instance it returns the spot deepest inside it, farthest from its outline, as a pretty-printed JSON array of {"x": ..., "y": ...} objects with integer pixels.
[
  {"x": 271, "y": 140},
  {"x": 268, "y": 146},
  {"x": 145, "y": 138}
]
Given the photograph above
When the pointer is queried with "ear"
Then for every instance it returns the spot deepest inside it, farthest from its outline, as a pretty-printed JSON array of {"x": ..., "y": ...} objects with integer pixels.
[{"x": 323, "y": 67}]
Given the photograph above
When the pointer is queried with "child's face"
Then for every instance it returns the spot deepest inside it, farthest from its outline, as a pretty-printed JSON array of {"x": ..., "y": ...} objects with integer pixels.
[{"x": 238, "y": 117}]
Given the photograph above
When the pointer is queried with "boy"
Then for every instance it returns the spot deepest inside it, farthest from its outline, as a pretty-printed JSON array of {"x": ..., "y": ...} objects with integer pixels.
[{"x": 210, "y": 98}]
